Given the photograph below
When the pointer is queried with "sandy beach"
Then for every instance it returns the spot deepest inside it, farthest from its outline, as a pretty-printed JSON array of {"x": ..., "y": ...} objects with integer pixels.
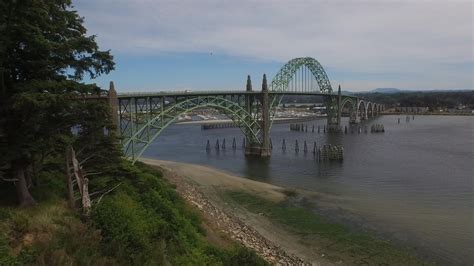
[{"x": 284, "y": 247}]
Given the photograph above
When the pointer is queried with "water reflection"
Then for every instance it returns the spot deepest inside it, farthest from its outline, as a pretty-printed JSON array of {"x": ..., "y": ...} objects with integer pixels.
[{"x": 255, "y": 164}]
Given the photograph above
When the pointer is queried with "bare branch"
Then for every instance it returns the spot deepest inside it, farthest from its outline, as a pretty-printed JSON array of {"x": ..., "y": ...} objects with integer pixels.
[
  {"x": 110, "y": 190},
  {"x": 81, "y": 150},
  {"x": 9, "y": 179},
  {"x": 87, "y": 159},
  {"x": 95, "y": 193},
  {"x": 89, "y": 174}
]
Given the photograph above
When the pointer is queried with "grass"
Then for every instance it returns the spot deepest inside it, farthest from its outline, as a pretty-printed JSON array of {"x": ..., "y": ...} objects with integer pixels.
[
  {"x": 337, "y": 241},
  {"x": 48, "y": 234},
  {"x": 142, "y": 222}
]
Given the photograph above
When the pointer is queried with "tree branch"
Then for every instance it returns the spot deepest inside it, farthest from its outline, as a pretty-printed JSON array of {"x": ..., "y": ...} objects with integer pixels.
[
  {"x": 88, "y": 174},
  {"x": 81, "y": 150},
  {"x": 110, "y": 190},
  {"x": 86, "y": 159},
  {"x": 9, "y": 179}
]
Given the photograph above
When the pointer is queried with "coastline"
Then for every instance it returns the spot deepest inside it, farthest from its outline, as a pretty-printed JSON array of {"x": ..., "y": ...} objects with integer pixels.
[
  {"x": 200, "y": 187},
  {"x": 251, "y": 213},
  {"x": 429, "y": 114}
]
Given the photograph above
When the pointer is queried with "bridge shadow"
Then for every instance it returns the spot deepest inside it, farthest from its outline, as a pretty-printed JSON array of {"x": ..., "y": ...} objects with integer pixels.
[{"x": 257, "y": 168}]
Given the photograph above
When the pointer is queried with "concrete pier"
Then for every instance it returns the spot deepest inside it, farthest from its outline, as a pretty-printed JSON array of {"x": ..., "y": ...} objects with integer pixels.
[{"x": 264, "y": 149}]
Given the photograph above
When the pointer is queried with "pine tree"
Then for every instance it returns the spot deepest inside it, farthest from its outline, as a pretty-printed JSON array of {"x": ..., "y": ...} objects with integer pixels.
[{"x": 44, "y": 54}]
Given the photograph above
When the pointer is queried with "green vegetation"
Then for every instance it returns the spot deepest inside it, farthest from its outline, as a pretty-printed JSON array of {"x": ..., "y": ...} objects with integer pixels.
[
  {"x": 433, "y": 99},
  {"x": 338, "y": 242},
  {"x": 141, "y": 222}
]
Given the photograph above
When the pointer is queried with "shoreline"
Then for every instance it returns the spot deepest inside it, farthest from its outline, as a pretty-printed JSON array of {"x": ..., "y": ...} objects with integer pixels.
[
  {"x": 250, "y": 212},
  {"x": 201, "y": 190},
  {"x": 430, "y": 114}
]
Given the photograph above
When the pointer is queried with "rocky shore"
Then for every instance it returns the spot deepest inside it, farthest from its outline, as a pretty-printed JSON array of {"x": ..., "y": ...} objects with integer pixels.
[{"x": 229, "y": 224}]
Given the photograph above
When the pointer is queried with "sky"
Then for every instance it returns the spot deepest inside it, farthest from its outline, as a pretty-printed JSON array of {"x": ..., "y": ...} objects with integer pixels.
[{"x": 214, "y": 44}]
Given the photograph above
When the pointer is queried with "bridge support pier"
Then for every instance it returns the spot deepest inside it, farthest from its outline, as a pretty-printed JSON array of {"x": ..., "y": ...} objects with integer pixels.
[
  {"x": 113, "y": 102},
  {"x": 263, "y": 149},
  {"x": 354, "y": 118},
  {"x": 334, "y": 113}
]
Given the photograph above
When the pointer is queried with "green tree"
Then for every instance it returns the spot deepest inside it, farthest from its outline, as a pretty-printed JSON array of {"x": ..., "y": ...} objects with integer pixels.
[{"x": 44, "y": 54}]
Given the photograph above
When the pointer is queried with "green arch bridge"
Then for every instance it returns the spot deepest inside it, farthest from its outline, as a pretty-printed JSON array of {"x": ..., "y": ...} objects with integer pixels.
[{"x": 141, "y": 117}]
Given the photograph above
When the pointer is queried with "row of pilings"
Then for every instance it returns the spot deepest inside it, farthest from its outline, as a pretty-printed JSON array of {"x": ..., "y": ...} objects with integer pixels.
[
  {"x": 323, "y": 153},
  {"x": 377, "y": 128},
  {"x": 304, "y": 128},
  {"x": 407, "y": 119},
  {"x": 218, "y": 125},
  {"x": 350, "y": 129},
  {"x": 222, "y": 145}
]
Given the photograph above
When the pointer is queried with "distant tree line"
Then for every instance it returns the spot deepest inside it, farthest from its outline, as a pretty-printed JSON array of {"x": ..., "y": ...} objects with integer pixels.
[{"x": 449, "y": 99}]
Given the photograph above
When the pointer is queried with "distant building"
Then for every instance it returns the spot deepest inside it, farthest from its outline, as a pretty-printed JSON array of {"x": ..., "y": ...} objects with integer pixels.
[
  {"x": 413, "y": 109},
  {"x": 460, "y": 111}
]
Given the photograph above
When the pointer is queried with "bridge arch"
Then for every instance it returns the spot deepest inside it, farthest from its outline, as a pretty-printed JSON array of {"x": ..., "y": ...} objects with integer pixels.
[
  {"x": 350, "y": 101},
  {"x": 282, "y": 79},
  {"x": 140, "y": 138},
  {"x": 361, "y": 112},
  {"x": 369, "y": 109},
  {"x": 286, "y": 74}
]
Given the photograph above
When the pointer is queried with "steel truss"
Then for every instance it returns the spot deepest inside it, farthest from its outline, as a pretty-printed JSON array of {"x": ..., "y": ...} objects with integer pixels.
[
  {"x": 142, "y": 119},
  {"x": 288, "y": 74}
]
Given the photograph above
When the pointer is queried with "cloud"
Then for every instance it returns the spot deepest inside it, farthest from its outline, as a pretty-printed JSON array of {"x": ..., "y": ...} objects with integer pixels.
[{"x": 425, "y": 38}]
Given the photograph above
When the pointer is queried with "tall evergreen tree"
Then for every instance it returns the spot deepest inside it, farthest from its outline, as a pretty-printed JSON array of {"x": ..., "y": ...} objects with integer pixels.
[{"x": 44, "y": 54}]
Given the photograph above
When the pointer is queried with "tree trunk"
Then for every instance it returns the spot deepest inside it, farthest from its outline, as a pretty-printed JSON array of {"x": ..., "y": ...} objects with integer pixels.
[
  {"x": 76, "y": 169},
  {"x": 29, "y": 182},
  {"x": 24, "y": 197},
  {"x": 70, "y": 189},
  {"x": 86, "y": 201}
]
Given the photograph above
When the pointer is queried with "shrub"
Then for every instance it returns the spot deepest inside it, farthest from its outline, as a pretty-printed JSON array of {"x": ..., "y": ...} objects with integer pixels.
[{"x": 146, "y": 222}]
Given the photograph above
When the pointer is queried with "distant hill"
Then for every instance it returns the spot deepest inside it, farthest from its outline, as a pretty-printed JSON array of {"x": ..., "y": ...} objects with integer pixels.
[
  {"x": 386, "y": 90},
  {"x": 347, "y": 92},
  {"x": 395, "y": 90}
]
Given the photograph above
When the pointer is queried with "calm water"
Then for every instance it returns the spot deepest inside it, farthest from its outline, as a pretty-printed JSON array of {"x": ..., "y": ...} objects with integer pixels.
[{"x": 413, "y": 183}]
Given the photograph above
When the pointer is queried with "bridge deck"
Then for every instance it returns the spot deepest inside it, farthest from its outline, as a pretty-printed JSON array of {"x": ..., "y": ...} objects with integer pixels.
[{"x": 219, "y": 93}]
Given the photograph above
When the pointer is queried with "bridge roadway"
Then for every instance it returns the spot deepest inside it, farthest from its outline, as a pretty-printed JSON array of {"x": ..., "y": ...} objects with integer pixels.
[{"x": 222, "y": 93}]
